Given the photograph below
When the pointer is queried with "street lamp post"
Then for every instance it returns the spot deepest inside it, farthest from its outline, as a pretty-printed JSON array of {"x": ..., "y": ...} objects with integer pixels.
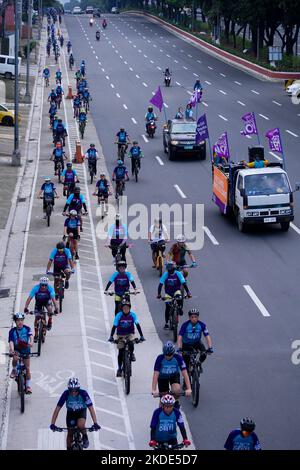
[
  {"x": 29, "y": 26},
  {"x": 16, "y": 156}
]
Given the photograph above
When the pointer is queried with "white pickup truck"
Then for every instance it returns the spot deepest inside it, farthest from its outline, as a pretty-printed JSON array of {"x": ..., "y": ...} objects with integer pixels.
[{"x": 254, "y": 195}]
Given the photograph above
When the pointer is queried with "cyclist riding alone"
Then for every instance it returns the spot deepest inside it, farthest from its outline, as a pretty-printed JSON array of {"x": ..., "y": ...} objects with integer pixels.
[
  {"x": 82, "y": 68},
  {"x": 92, "y": 156},
  {"x": 172, "y": 280},
  {"x": 98, "y": 34},
  {"x": 69, "y": 178},
  {"x": 178, "y": 253},
  {"x": 122, "y": 139},
  {"x": 158, "y": 237},
  {"x": 49, "y": 193},
  {"x": 62, "y": 261},
  {"x": 58, "y": 155},
  {"x": 135, "y": 153},
  {"x": 120, "y": 173},
  {"x": 44, "y": 297},
  {"x": 20, "y": 341},
  {"x": 166, "y": 375},
  {"x": 189, "y": 337},
  {"x": 124, "y": 324},
  {"x": 60, "y": 132},
  {"x": 121, "y": 280},
  {"x": 102, "y": 190},
  {"x": 77, "y": 401},
  {"x": 71, "y": 228},
  {"x": 164, "y": 422},
  {"x": 243, "y": 438},
  {"x": 118, "y": 236}
]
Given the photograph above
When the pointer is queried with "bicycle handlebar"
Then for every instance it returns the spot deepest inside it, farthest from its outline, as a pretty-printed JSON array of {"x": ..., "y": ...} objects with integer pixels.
[
  {"x": 58, "y": 429},
  {"x": 121, "y": 295}
]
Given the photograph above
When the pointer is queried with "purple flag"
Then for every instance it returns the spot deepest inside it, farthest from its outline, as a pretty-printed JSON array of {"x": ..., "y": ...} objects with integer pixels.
[
  {"x": 250, "y": 124},
  {"x": 221, "y": 147},
  {"x": 157, "y": 99},
  {"x": 202, "y": 129},
  {"x": 274, "y": 140},
  {"x": 198, "y": 93}
]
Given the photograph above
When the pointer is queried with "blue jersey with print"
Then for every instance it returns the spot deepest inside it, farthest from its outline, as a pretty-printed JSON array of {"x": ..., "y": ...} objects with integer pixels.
[
  {"x": 135, "y": 151},
  {"x": 102, "y": 185},
  {"x": 60, "y": 128},
  {"x": 82, "y": 117},
  {"x": 120, "y": 172},
  {"x": 172, "y": 282},
  {"x": 80, "y": 401},
  {"x": 46, "y": 72},
  {"x": 72, "y": 223},
  {"x": 236, "y": 441},
  {"x": 122, "y": 136},
  {"x": 92, "y": 153},
  {"x": 169, "y": 368},
  {"x": 150, "y": 116},
  {"x": 59, "y": 90},
  {"x": 166, "y": 425},
  {"x": 19, "y": 336},
  {"x": 48, "y": 188},
  {"x": 60, "y": 260},
  {"x": 58, "y": 152},
  {"x": 76, "y": 202},
  {"x": 118, "y": 233},
  {"x": 58, "y": 74},
  {"x": 42, "y": 297},
  {"x": 76, "y": 102},
  {"x": 69, "y": 175},
  {"x": 121, "y": 281},
  {"x": 125, "y": 323},
  {"x": 191, "y": 334}
]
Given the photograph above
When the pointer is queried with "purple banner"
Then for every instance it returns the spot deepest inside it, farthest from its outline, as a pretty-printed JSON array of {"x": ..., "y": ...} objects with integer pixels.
[
  {"x": 221, "y": 147},
  {"x": 250, "y": 124},
  {"x": 157, "y": 99},
  {"x": 274, "y": 140},
  {"x": 202, "y": 129}
]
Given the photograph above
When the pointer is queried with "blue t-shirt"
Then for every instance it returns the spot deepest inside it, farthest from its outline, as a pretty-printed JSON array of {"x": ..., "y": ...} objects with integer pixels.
[
  {"x": 19, "y": 336},
  {"x": 121, "y": 281},
  {"x": 92, "y": 153},
  {"x": 135, "y": 151},
  {"x": 125, "y": 323},
  {"x": 48, "y": 188},
  {"x": 191, "y": 334},
  {"x": 60, "y": 259},
  {"x": 120, "y": 232},
  {"x": 81, "y": 401},
  {"x": 166, "y": 425},
  {"x": 120, "y": 172},
  {"x": 72, "y": 223},
  {"x": 122, "y": 136},
  {"x": 71, "y": 197},
  {"x": 46, "y": 72},
  {"x": 69, "y": 175},
  {"x": 36, "y": 289},
  {"x": 169, "y": 368},
  {"x": 172, "y": 282},
  {"x": 102, "y": 185},
  {"x": 236, "y": 441}
]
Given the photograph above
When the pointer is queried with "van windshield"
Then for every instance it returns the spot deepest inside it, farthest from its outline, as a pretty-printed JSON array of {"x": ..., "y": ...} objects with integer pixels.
[
  {"x": 276, "y": 183},
  {"x": 184, "y": 128}
]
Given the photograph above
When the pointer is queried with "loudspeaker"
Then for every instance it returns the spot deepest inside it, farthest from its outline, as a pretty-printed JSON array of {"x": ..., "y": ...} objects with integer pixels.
[{"x": 254, "y": 151}]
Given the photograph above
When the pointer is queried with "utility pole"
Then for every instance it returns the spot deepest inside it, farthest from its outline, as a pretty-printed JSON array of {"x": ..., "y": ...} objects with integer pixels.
[
  {"x": 16, "y": 156},
  {"x": 29, "y": 27}
]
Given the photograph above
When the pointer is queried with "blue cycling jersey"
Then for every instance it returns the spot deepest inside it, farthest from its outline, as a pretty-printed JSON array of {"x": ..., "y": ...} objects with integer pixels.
[
  {"x": 20, "y": 336},
  {"x": 121, "y": 281},
  {"x": 166, "y": 425},
  {"x": 135, "y": 151},
  {"x": 169, "y": 368},
  {"x": 48, "y": 188},
  {"x": 81, "y": 401},
  {"x": 236, "y": 441},
  {"x": 72, "y": 223},
  {"x": 120, "y": 172},
  {"x": 125, "y": 323},
  {"x": 191, "y": 334}
]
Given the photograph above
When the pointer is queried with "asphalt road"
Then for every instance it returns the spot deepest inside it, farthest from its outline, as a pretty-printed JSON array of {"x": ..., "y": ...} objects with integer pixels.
[{"x": 251, "y": 372}]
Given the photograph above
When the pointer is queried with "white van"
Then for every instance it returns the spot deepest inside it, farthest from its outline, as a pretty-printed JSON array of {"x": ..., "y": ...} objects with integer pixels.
[{"x": 7, "y": 66}]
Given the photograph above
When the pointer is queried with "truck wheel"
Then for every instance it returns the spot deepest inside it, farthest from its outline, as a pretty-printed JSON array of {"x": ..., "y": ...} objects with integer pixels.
[
  {"x": 284, "y": 226},
  {"x": 171, "y": 154},
  {"x": 240, "y": 223}
]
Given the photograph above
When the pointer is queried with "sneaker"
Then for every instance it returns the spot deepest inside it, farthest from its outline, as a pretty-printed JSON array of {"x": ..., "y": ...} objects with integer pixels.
[
  {"x": 49, "y": 326},
  {"x": 166, "y": 327},
  {"x": 85, "y": 441},
  {"x": 119, "y": 373},
  {"x": 35, "y": 339},
  {"x": 133, "y": 358},
  {"x": 28, "y": 390},
  {"x": 66, "y": 284},
  {"x": 76, "y": 256},
  {"x": 13, "y": 374}
]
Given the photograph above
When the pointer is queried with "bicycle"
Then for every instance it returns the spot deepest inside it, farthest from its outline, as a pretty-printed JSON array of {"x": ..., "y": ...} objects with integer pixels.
[
  {"x": 46, "y": 81},
  {"x": 86, "y": 105},
  {"x": 59, "y": 287},
  {"x": 77, "y": 441},
  {"x": 82, "y": 125},
  {"x": 21, "y": 375},
  {"x": 159, "y": 256},
  {"x": 125, "y": 296},
  {"x": 195, "y": 369},
  {"x": 92, "y": 170},
  {"x": 136, "y": 167},
  {"x": 102, "y": 197},
  {"x": 58, "y": 169},
  {"x": 58, "y": 101},
  {"x": 175, "y": 307},
  {"x": 120, "y": 188},
  {"x": 127, "y": 368},
  {"x": 121, "y": 151},
  {"x": 118, "y": 257},
  {"x": 48, "y": 207},
  {"x": 41, "y": 327},
  {"x": 68, "y": 188}
]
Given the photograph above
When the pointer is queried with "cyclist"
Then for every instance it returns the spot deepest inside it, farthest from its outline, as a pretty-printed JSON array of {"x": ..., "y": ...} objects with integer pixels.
[
  {"x": 102, "y": 190},
  {"x": 124, "y": 324},
  {"x": 198, "y": 87},
  {"x": 20, "y": 341},
  {"x": 48, "y": 49},
  {"x": 77, "y": 400},
  {"x": 82, "y": 68},
  {"x": 173, "y": 281},
  {"x": 86, "y": 97},
  {"x": 60, "y": 132},
  {"x": 243, "y": 438},
  {"x": 58, "y": 155},
  {"x": 69, "y": 45},
  {"x": 76, "y": 201},
  {"x": 135, "y": 153},
  {"x": 189, "y": 337},
  {"x": 54, "y": 124},
  {"x": 44, "y": 295},
  {"x": 91, "y": 21},
  {"x": 121, "y": 280},
  {"x": 59, "y": 92},
  {"x": 166, "y": 373},
  {"x": 69, "y": 178},
  {"x": 71, "y": 61},
  {"x": 81, "y": 85},
  {"x": 71, "y": 228},
  {"x": 62, "y": 261},
  {"x": 122, "y": 139},
  {"x": 92, "y": 157},
  {"x": 49, "y": 191},
  {"x": 164, "y": 422},
  {"x": 76, "y": 105},
  {"x": 118, "y": 235},
  {"x": 178, "y": 253},
  {"x": 82, "y": 115},
  {"x": 52, "y": 112},
  {"x": 98, "y": 34},
  {"x": 58, "y": 76},
  {"x": 46, "y": 74},
  {"x": 150, "y": 116},
  {"x": 61, "y": 40},
  {"x": 179, "y": 114},
  {"x": 52, "y": 96},
  {"x": 78, "y": 75},
  {"x": 119, "y": 174},
  {"x": 158, "y": 236},
  {"x": 104, "y": 23}
]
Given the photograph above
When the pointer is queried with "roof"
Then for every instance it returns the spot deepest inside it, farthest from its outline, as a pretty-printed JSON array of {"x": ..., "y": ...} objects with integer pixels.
[{"x": 261, "y": 171}]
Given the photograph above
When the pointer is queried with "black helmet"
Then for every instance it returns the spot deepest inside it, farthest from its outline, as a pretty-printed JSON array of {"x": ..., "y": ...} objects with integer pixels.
[
  {"x": 193, "y": 311},
  {"x": 121, "y": 264},
  {"x": 150, "y": 109},
  {"x": 60, "y": 245},
  {"x": 247, "y": 424},
  {"x": 170, "y": 266},
  {"x": 125, "y": 302},
  {"x": 77, "y": 190}
]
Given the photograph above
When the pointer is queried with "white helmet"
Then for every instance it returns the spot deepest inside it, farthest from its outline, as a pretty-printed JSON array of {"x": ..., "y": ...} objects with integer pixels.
[
  {"x": 180, "y": 238},
  {"x": 73, "y": 383},
  {"x": 73, "y": 212},
  {"x": 167, "y": 400},
  {"x": 44, "y": 280},
  {"x": 19, "y": 316}
]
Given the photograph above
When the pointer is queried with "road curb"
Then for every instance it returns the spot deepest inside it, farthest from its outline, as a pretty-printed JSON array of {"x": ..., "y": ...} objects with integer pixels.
[{"x": 242, "y": 64}]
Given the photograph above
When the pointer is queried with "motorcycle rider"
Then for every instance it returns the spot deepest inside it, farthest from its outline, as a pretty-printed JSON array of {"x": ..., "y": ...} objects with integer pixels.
[
  {"x": 97, "y": 34},
  {"x": 150, "y": 116}
]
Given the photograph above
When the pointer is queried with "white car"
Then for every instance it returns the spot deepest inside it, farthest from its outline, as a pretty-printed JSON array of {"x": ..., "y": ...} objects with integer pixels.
[
  {"x": 76, "y": 11},
  {"x": 115, "y": 10},
  {"x": 294, "y": 89}
]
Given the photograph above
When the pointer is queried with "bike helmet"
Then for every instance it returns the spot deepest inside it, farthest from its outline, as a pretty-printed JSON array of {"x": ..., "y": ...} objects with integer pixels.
[
  {"x": 120, "y": 162},
  {"x": 69, "y": 164},
  {"x": 181, "y": 239},
  {"x": 91, "y": 145},
  {"x": 60, "y": 245},
  {"x": 135, "y": 142},
  {"x": 102, "y": 174},
  {"x": 121, "y": 264},
  {"x": 150, "y": 109},
  {"x": 77, "y": 190},
  {"x": 193, "y": 311},
  {"x": 44, "y": 280},
  {"x": 168, "y": 348},
  {"x": 122, "y": 129},
  {"x": 170, "y": 266},
  {"x": 167, "y": 400},
  {"x": 47, "y": 178},
  {"x": 58, "y": 144},
  {"x": 73, "y": 212},
  {"x": 247, "y": 424},
  {"x": 125, "y": 302},
  {"x": 73, "y": 384},
  {"x": 19, "y": 316}
]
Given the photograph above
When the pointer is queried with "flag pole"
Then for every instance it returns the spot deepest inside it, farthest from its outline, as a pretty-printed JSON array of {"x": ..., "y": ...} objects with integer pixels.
[{"x": 165, "y": 113}]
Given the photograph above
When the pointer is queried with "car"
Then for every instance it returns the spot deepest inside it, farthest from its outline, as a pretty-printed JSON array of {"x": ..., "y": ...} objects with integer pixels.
[
  {"x": 7, "y": 117},
  {"x": 89, "y": 10},
  {"x": 179, "y": 137},
  {"x": 115, "y": 10},
  {"x": 294, "y": 89},
  {"x": 97, "y": 13},
  {"x": 76, "y": 11}
]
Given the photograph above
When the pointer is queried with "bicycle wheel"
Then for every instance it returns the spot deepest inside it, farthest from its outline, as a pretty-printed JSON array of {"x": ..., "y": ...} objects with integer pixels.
[
  {"x": 160, "y": 264},
  {"x": 92, "y": 175},
  {"x": 174, "y": 325},
  {"x": 48, "y": 214},
  {"x": 21, "y": 390},
  {"x": 195, "y": 387},
  {"x": 61, "y": 296},
  {"x": 59, "y": 174},
  {"x": 40, "y": 337},
  {"x": 127, "y": 371},
  {"x": 136, "y": 172}
]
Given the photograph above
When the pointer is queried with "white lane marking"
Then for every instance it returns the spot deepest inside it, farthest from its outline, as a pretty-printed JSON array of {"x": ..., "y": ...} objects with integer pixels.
[
  {"x": 255, "y": 92},
  {"x": 165, "y": 105},
  {"x": 131, "y": 69},
  {"x": 161, "y": 50},
  {"x": 159, "y": 160},
  {"x": 133, "y": 120},
  {"x": 264, "y": 117},
  {"x": 112, "y": 85},
  {"x": 189, "y": 92},
  {"x": 145, "y": 84},
  {"x": 241, "y": 103},
  {"x": 195, "y": 74},
  {"x": 151, "y": 61},
  {"x": 177, "y": 83},
  {"x": 139, "y": 51},
  {"x": 145, "y": 56},
  {"x": 117, "y": 94},
  {"x": 199, "y": 61},
  {"x": 103, "y": 70},
  {"x": 238, "y": 83},
  {"x": 204, "y": 103},
  {"x": 121, "y": 57},
  {"x": 223, "y": 92},
  {"x": 223, "y": 74},
  {"x": 208, "y": 83},
  {"x": 96, "y": 377},
  {"x": 248, "y": 136},
  {"x": 180, "y": 192},
  {"x": 168, "y": 42},
  {"x": 97, "y": 57},
  {"x": 159, "y": 68},
  {"x": 124, "y": 106},
  {"x": 181, "y": 50},
  {"x": 276, "y": 102},
  {"x": 99, "y": 63},
  {"x": 134, "y": 45},
  {"x": 101, "y": 353},
  {"x": 184, "y": 67},
  {"x": 176, "y": 61},
  {"x": 174, "y": 45},
  {"x": 294, "y": 227},
  {"x": 256, "y": 300},
  {"x": 189, "y": 55},
  {"x": 222, "y": 117},
  {"x": 210, "y": 68},
  {"x": 113, "y": 430},
  {"x": 145, "y": 138},
  {"x": 168, "y": 55},
  {"x": 292, "y": 133},
  {"x": 104, "y": 410},
  {"x": 154, "y": 45},
  {"x": 137, "y": 76},
  {"x": 210, "y": 236},
  {"x": 275, "y": 156},
  {"x": 125, "y": 62}
]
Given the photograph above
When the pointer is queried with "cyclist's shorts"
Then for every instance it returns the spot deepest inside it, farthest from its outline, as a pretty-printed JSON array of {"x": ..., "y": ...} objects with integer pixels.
[
  {"x": 74, "y": 231},
  {"x": 58, "y": 269},
  {"x": 73, "y": 416},
  {"x": 121, "y": 343},
  {"x": 39, "y": 306},
  {"x": 164, "y": 384}
]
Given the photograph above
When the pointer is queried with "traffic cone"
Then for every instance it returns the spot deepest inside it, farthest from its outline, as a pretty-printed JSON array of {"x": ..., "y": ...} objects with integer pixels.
[
  {"x": 78, "y": 157},
  {"x": 70, "y": 93}
]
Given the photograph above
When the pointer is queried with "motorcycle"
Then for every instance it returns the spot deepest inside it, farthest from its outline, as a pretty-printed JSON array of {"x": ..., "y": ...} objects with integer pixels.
[
  {"x": 151, "y": 126},
  {"x": 167, "y": 80},
  {"x": 104, "y": 24},
  {"x": 98, "y": 37},
  {"x": 91, "y": 22}
]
